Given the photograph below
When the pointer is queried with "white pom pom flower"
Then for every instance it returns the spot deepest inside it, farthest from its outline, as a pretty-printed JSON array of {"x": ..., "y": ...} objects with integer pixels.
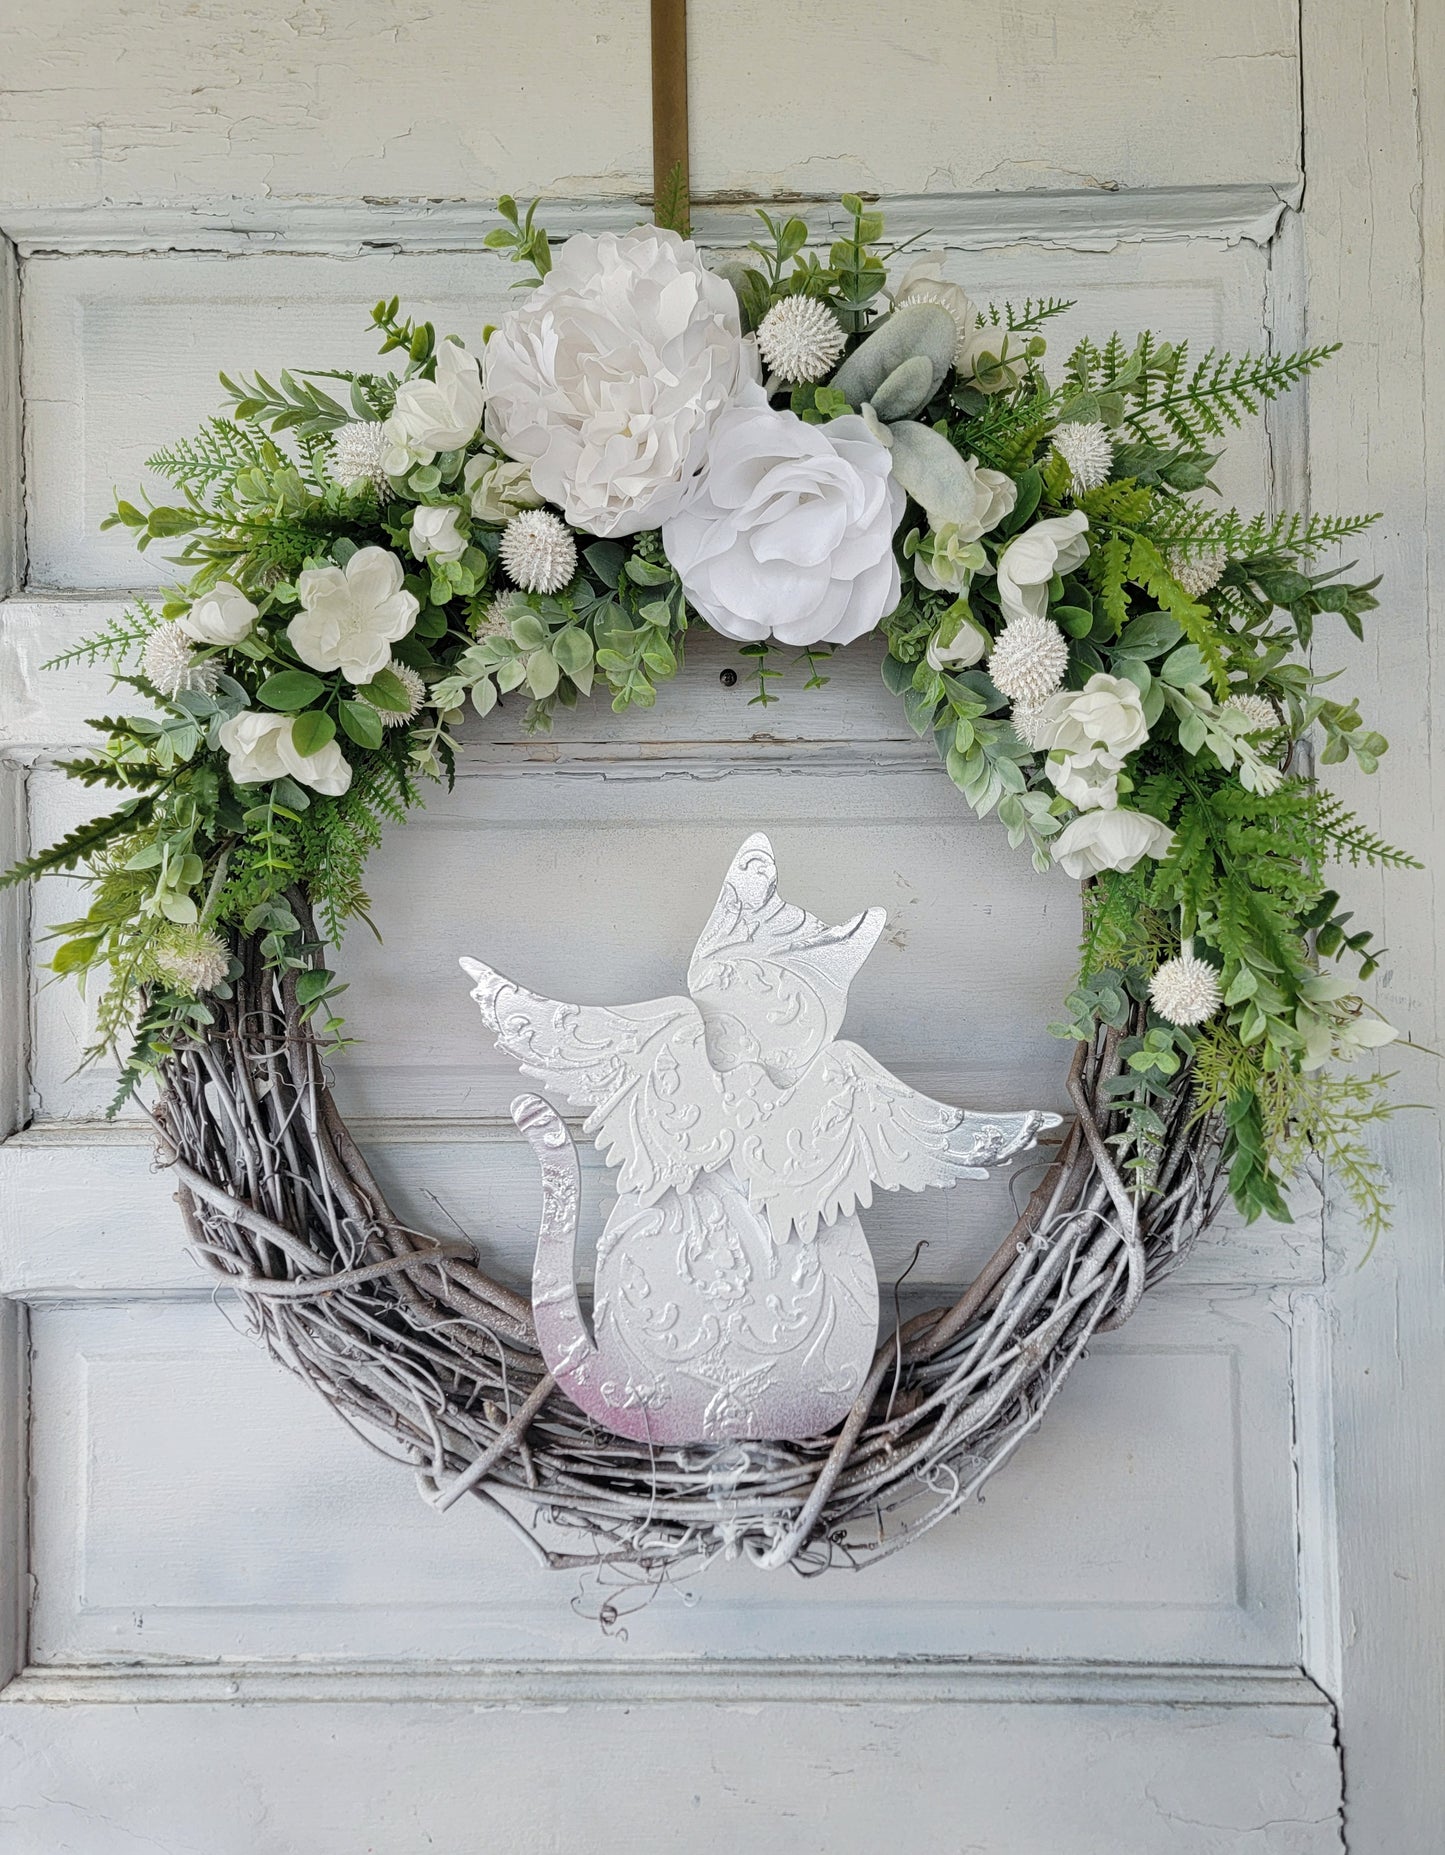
[
  {"x": 170, "y": 664},
  {"x": 192, "y": 960},
  {"x": 1185, "y": 990},
  {"x": 1258, "y": 711},
  {"x": 800, "y": 339},
  {"x": 358, "y": 451},
  {"x": 1029, "y": 660},
  {"x": 1088, "y": 450},
  {"x": 1197, "y": 573},
  {"x": 538, "y": 551}
]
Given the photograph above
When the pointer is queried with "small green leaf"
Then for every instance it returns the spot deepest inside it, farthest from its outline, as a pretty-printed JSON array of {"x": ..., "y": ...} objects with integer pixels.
[
  {"x": 362, "y": 723},
  {"x": 387, "y": 691},
  {"x": 310, "y": 732},
  {"x": 289, "y": 690}
]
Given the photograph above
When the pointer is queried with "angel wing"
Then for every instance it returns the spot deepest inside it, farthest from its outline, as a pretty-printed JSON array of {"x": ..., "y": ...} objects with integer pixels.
[
  {"x": 770, "y": 979},
  {"x": 656, "y": 1108},
  {"x": 814, "y": 1150}
]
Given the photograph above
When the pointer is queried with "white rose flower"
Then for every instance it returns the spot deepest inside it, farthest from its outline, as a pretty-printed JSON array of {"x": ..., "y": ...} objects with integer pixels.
[
  {"x": 1089, "y": 780},
  {"x": 790, "y": 532},
  {"x": 499, "y": 489},
  {"x": 1106, "y": 715},
  {"x": 434, "y": 534},
  {"x": 224, "y": 616},
  {"x": 1109, "y": 840},
  {"x": 607, "y": 380},
  {"x": 435, "y": 415},
  {"x": 1030, "y": 561},
  {"x": 261, "y": 748},
  {"x": 352, "y": 616}
]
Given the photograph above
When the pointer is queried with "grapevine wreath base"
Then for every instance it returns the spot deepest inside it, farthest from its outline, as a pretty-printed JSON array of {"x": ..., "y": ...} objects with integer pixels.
[{"x": 437, "y": 1366}]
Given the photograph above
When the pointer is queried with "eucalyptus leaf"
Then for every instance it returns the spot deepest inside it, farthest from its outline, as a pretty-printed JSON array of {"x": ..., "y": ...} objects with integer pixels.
[{"x": 361, "y": 721}]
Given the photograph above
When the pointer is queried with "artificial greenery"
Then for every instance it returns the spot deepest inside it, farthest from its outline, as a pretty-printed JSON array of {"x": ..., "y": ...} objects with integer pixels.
[{"x": 188, "y": 859}]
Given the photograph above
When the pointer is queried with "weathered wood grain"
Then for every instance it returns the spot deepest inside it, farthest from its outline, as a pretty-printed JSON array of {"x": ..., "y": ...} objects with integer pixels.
[{"x": 1374, "y": 90}]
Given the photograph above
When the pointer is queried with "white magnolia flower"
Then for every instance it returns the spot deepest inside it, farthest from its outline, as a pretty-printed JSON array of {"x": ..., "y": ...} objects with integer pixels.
[
  {"x": 1109, "y": 840},
  {"x": 499, "y": 489},
  {"x": 261, "y": 748},
  {"x": 224, "y": 616},
  {"x": 358, "y": 455},
  {"x": 170, "y": 663},
  {"x": 959, "y": 642},
  {"x": 1029, "y": 660},
  {"x": 538, "y": 551},
  {"x": 435, "y": 415},
  {"x": 1030, "y": 561},
  {"x": 434, "y": 534},
  {"x": 800, "y": 339},
  {"x": 945, "y": 560},
  {"x": 1090, "y": 780},
  {"x": 1088, "y": 450},
  {"x": 352, "y": 615},
  {"x": 1106, "y": 715},
  {"x": 994, "y": 496},
  {"x": 790, "y": 532},
  {"x": 608, "y": 378},
  {"x": 1185, "y": 990}
]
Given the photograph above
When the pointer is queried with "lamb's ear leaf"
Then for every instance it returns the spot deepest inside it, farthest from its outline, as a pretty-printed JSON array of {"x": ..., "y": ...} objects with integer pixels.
[
  {"x": 926, "y": 465},
  {"x": 907, "y": 389},
  {"x": 916, "y": 329}
]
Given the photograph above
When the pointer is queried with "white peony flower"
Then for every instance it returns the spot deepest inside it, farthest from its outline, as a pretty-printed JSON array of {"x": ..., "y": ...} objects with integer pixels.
[
  {"x": 224, "y": 616},
  {"x": 435, "y": 415},
  {"x": 434, "y": 534},
  {"x": 1109, "y": 840},
  {"x": 790, "y": 532},
  {"x": 261, "y": 749},
  {"x": 1106, "y": 715},
  {"x": 499, "y": 489},
  {"x": 1030, "y": 561},
  {"x": 1090, "y": 780},
  {"x": 352, "y": 615},
  {"x": 607, "y": 380}
]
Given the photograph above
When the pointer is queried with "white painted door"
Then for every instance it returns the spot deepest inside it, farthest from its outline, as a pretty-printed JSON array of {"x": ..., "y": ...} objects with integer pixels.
[{"x": 1201, "y": 1610}]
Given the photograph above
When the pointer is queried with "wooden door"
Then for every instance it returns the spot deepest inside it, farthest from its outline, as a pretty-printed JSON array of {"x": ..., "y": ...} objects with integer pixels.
[{"x": 1207, "y": 1593}]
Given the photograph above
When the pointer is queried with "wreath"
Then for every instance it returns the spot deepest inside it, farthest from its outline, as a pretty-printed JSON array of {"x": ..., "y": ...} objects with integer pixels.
[{"x": 799, "y": 446}]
